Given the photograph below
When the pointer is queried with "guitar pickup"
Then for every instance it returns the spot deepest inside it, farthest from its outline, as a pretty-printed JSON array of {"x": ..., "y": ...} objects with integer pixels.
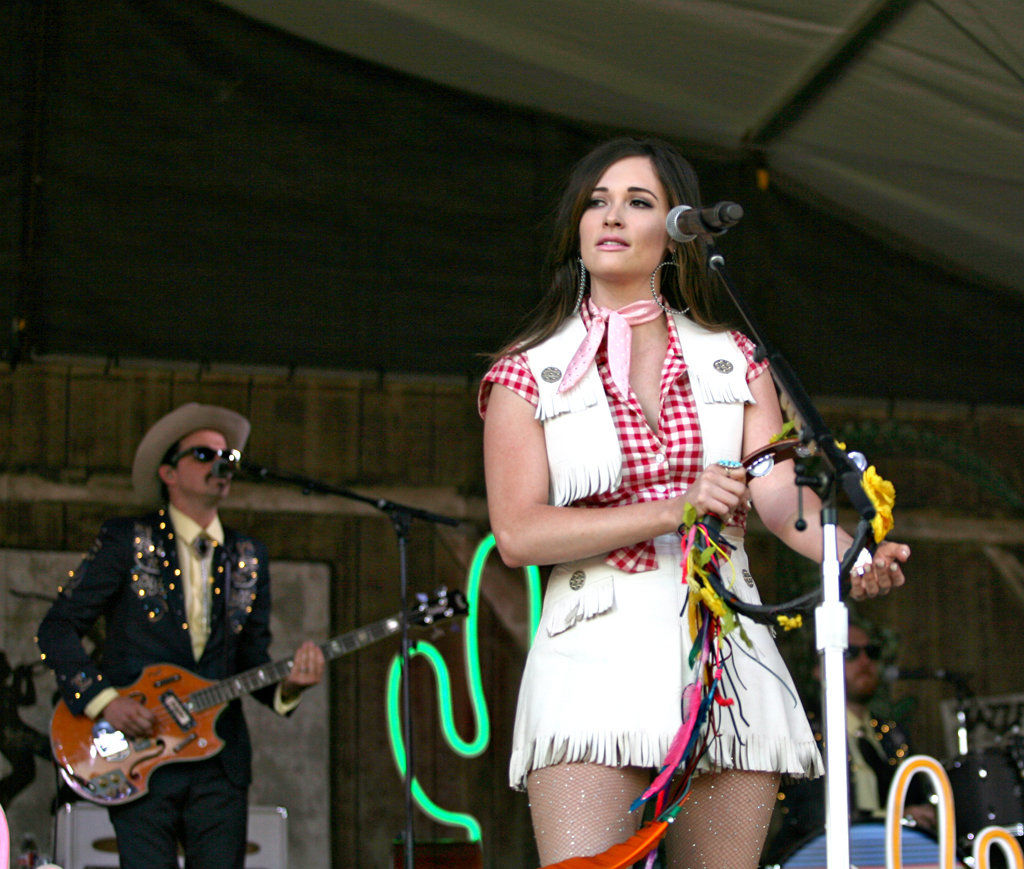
[{"x": 177, "y": 710}]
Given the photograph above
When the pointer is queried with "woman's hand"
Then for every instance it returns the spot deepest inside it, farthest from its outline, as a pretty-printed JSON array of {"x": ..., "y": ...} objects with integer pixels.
[
  {"x": 882, "y": 574},
  {"x": 718, "y": 490}
]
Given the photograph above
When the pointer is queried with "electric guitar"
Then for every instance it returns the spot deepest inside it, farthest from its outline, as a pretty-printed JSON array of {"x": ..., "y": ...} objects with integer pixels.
[{"x": 105, "y": 766}]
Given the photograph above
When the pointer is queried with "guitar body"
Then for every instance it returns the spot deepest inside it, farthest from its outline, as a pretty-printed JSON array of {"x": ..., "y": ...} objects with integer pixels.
[{"x": 101, "y": 764}]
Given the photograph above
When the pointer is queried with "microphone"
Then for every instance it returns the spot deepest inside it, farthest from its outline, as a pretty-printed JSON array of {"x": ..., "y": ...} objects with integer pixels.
[
  {"x": 251, "y": 469},
  {"x": 892, "y": 673},
  {"x": 223, "y": 468},
  {"x": 685, "y": 223}
]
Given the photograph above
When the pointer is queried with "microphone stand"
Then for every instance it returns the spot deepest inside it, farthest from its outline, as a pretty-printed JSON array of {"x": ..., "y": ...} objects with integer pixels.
[
  {"x": 401, "y": 517},
  {"x": 831, "y": 616},
  {"x": 963, "y": 695}
]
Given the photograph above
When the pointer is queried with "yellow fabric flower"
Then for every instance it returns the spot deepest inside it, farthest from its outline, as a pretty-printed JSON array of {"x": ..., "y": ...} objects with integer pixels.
[
  {"x": 790, "y": 623},
  {"x": 882, "y": 494},
  {"x": 712, "y": 601},
  {"x": 788, "y": 429}
]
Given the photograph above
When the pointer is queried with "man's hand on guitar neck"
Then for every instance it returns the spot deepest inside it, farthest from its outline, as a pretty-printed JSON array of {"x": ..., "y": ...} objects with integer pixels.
[
  {"x": 130, "y": 717},
  {"x": 307, "y": 670}
]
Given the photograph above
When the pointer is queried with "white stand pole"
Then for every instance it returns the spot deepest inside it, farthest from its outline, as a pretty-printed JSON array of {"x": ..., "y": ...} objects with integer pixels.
[{"x": 831, "y": 620}]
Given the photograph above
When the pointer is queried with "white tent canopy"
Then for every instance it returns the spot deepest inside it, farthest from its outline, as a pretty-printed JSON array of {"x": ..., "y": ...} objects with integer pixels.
[{"x": 905, "y": 117}]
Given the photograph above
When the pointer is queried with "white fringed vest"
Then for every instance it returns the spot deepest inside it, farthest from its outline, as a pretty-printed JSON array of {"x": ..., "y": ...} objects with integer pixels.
[{"x": 584, "y": 455}]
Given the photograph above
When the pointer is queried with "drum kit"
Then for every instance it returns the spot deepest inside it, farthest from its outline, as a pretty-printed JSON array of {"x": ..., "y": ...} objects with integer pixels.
[{"x": 988, "y": 791}]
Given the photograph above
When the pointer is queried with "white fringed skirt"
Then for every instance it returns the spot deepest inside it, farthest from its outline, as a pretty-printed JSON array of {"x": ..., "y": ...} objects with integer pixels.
[{"x": 604, "y": 677}]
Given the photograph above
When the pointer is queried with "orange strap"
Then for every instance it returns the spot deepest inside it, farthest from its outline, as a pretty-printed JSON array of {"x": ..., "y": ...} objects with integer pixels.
[{"x": 619, "y": 856}]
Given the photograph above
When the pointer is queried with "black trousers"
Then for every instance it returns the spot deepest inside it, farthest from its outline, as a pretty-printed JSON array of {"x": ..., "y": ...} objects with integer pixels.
[{"x": 192, "y": 804}]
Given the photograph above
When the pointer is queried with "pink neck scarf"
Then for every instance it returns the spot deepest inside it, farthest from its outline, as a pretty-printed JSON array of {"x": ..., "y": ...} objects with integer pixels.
[{"x": 618, "y": 326}]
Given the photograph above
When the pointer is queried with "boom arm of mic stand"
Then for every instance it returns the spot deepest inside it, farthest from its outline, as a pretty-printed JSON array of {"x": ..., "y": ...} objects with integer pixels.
[{"x": 309, "y": 485}]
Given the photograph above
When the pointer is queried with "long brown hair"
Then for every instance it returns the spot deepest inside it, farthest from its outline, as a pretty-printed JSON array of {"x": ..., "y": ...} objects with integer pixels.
[{"x": 685, "y": 286}]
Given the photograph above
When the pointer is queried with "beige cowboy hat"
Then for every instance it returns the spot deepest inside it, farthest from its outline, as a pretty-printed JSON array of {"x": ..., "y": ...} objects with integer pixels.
[{"x": 170, "y": 429}]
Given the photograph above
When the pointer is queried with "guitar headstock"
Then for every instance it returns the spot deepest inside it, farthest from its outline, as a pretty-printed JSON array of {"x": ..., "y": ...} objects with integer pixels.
[{"x": 442, "y": 604}]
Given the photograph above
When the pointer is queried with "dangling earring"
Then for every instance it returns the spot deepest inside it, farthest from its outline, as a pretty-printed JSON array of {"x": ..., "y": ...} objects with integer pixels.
[
  {"x": 583, "y": 286},
  {"x": 654, "y": 289}
]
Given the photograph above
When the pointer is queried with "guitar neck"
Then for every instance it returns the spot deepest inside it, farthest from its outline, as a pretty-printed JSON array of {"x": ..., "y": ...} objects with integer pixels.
[{"x": 273, "y": 672}]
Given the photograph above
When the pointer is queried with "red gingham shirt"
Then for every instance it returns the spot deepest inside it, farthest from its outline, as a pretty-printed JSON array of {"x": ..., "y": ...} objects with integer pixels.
[{"x": 654, "y": 466}]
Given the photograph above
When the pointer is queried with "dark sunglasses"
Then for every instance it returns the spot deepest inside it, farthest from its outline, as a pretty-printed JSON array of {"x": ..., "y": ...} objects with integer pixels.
[
  {"x": 872, "y": 650},
  {"x": 206, "y": 454}
]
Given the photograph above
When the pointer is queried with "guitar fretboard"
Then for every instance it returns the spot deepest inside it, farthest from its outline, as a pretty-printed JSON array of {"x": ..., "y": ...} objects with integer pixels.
[{"x": 270, "y": 673}]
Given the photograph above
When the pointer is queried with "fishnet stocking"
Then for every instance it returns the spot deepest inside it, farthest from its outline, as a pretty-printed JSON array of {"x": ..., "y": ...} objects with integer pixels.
[
  {"x": 723, "y": 822},
  {"x": 580, "y": 809}
]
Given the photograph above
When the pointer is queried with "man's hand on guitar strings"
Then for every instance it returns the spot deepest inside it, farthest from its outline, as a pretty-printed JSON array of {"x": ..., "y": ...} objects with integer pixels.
[{"x": 130, "y": 717}]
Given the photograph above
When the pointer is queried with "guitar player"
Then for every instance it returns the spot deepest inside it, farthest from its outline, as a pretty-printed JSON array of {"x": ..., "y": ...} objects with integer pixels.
[{"x": 176, "y": 587}]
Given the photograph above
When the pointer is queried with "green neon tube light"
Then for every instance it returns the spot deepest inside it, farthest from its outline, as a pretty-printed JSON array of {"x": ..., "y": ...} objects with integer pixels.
[{"x": 474, "y": 682}]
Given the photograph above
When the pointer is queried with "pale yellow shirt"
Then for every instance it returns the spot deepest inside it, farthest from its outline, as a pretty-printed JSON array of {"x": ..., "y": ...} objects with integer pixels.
[
  {"x": 196, "y": 574},
  {"x": 865, "y": 782}
]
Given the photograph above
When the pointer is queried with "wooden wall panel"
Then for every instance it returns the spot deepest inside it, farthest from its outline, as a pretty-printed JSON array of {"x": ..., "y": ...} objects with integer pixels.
[
  {"x": 119, "y": 406},
  {"x": 457, "y": 432},
  {"x": 28, "y": 526},
  {"x": 999, "y": 434},
  {"x": 38, "y": 419}
]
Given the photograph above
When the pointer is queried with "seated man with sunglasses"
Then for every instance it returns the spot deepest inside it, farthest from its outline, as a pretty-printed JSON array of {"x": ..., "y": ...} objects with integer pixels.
[
  {"x": 176, "y": 587},
  {"x": 875, "y": 748}
]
